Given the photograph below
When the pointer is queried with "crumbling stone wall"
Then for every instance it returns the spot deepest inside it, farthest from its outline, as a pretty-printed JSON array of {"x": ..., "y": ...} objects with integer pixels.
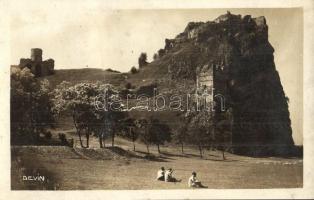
[{"x": 204, "y": 81}]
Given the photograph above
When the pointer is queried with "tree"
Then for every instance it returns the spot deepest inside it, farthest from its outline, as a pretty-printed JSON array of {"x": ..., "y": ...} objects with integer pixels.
[
  {"x": 133, "y": 70},
  {"x": 180, "y": 135},
  {"x": 155, "y": 57},
  {"x": 129, "y": 130},
  {"x": 115, "y": 124},
  {"x": 80, "y": 101},
  {"x": 200, "y": 127},
  {"x": 128, "y": 86},
  {"x": 161, "y": 53},
  {"x": 223, "y": 131},
  {"x": 144, "y": 134},
  {"x": 142, "y": 60},
  {"x": 76, "y": 100},
  {"x": 160, "y": 132},
  {"x": 31, "y": 106},
  {"x": 109, "y": 121}
]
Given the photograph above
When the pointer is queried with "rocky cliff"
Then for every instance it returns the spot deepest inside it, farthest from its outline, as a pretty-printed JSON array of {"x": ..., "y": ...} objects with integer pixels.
[{"x": 241, "y": 56}]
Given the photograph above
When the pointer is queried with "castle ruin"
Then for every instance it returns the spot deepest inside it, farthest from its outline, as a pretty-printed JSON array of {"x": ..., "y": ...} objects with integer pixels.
[
  {"x": 36, "y": 64},
  {"x": 204, "y": 81}
]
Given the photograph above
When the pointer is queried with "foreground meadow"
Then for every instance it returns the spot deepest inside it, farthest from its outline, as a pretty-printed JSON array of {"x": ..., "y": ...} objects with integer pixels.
[{"x": 121, "y": 168}]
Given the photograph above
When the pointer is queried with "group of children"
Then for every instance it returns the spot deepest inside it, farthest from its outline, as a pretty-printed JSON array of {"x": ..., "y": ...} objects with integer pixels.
[{"x": 166, "y": 175}]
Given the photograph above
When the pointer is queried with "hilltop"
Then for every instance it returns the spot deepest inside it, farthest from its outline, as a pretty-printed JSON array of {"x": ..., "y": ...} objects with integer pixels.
[{"x": 85, "y": 75}]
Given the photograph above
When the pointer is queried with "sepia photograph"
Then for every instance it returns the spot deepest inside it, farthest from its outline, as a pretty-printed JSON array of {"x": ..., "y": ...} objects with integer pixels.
[{"x": 188, "y": 99}]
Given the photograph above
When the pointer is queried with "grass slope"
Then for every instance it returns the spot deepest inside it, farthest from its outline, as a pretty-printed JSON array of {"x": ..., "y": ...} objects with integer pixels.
[
  {"x": 85, "y": 75},
  {"x": 121, "y": 168}
]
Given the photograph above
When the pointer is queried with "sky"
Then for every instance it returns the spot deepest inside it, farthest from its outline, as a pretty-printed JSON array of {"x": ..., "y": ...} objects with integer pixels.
[{"x": 94, "y": 37}]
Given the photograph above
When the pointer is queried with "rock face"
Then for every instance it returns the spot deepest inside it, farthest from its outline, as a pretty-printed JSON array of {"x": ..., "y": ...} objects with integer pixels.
[{"x": 242, "y": 61}]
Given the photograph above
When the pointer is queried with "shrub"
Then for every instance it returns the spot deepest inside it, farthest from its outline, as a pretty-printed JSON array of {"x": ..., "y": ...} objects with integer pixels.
[
  {"x": 155, "y": 57},
  {"x": 142, "y": 60},
  {"x": 161, "y": 53},
  {"x": 146, "y": 89},
  {"x": 48, "y": 135},
  {"x": 128, "y": 85},
  {"x": 111, "y": 70},
  {"x": 63, "y": 138},
  {"x": 133, "y": 70}
]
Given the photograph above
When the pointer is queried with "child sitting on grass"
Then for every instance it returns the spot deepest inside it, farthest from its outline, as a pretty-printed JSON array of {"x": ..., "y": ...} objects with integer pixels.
[
  {"x": 193, "y": 182},
  {"x": 161, "y": 174}
]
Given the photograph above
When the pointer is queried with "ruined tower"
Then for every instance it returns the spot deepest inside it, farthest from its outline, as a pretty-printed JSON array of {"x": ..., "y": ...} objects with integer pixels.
[
  {"x": 204, "y": 81},
  {"x": 36, "y": 64},
  {"x": 36, "y": 55}
]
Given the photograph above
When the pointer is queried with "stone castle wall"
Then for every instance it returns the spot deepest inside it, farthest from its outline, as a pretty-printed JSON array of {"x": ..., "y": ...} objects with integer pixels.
[
  {"x": 205, "y": 83},
  {"x": 35, "y": 63}
]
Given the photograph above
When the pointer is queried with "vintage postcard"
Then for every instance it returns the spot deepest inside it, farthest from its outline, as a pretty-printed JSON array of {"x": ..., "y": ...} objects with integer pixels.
[{"x": 148, "y": 100}]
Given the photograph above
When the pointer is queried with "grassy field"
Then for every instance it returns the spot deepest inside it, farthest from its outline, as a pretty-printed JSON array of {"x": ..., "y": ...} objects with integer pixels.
[
  {"x": 75, "y": 76},
  {"x": 121, "y": 168}
]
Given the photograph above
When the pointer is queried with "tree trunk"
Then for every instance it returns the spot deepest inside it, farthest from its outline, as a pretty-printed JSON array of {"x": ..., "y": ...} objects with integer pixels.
[
  {"x": 133, "y": 145},
  {"x": 182, "y": 148},
  {"x": 87, "y": 139},
  {"x": 112, "y": 139},
  {"x": 77, "y": 130},
  {"x": 147, "y": 149},
  {"x": 158, "y": 148},
  {"x": 80, "y": 137},
  {"x": 133, "y": 138},
  {"x": 201, "y": 152},
  {"x": 37, "y": 132},
  {"x": 100, "y": 141},
  {"x": 223, "y": 154},
  {"x": 103, "y": 140}
]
